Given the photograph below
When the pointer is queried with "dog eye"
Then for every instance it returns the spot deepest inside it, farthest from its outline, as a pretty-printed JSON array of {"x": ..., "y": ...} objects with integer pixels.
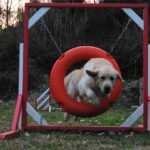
[
  {"x": 103, "y": 78},
  {"x": 112, "y": 78}
]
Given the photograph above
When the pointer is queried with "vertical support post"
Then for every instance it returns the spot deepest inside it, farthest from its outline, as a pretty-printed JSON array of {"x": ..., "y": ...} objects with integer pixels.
[
  {"x": 145, "y": 67},
  {"x": 25, "y": 67},
  {"x": 17, "y": 113},
  {"x": 20, "y": 89},
  {"x": 148, "y": 87},
  {"x": 149, "y": 72},
  {"x": 20, "y": 68},
  {"x": 148, "y": 116}
]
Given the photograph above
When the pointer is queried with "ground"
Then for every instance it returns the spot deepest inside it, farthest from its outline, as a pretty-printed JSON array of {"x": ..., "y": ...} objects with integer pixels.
[
  {"x": 74, "y": 140},
  {"x": 77, "y": 141}
]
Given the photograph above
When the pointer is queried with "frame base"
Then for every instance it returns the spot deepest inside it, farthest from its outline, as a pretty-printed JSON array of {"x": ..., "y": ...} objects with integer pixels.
[{"x": 85, "y": 128}]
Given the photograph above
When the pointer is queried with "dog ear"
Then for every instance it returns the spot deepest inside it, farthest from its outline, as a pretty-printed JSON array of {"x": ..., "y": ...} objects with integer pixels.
[
  {"x": 119, "y": 77},
  {"x": 91, "y": 73}
]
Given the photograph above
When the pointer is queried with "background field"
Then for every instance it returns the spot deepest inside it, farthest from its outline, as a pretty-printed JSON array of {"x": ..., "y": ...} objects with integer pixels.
[{"x": 72, "y": 140}]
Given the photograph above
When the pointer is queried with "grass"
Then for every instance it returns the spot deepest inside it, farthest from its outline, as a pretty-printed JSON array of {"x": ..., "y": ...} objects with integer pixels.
[
  {"x": 6, "y": 116},
  {"x": 71, "y": 140},
  {"x": 74, "y": 140},
  {"x": 115, "y": 116}
]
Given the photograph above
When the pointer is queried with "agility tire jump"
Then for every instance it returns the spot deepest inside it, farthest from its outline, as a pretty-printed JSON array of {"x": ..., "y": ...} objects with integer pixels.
[{"x": 59, "y": 71}]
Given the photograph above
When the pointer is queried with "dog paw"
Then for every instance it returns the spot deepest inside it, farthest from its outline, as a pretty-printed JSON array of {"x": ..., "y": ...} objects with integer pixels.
[
  {"x": 76, "y": 118},
  {"x": 66, "y": 117}
]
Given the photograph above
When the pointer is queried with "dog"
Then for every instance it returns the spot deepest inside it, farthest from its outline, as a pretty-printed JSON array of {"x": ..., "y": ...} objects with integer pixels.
[{"x": 91, "y": 83}]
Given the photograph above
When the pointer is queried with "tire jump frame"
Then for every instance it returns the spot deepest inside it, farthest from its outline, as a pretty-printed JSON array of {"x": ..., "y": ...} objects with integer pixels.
[{"x": 20, "y": 115}]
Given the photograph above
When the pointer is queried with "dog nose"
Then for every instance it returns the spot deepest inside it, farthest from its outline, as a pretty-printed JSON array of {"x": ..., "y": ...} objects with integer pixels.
[{"x": 107, "y": 89}]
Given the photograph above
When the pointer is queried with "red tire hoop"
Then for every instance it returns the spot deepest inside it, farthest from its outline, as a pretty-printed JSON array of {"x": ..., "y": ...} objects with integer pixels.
[{"x": 58, "y": 73}]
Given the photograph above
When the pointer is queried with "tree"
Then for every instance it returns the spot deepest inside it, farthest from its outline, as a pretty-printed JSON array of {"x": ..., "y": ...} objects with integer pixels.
[
  {"x": 8, "y": 11},
  {"x": 5, "y": 14}
]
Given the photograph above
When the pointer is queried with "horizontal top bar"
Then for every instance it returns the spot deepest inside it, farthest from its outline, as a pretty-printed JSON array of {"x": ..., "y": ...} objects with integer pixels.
[{"x": 87, "y": 5}]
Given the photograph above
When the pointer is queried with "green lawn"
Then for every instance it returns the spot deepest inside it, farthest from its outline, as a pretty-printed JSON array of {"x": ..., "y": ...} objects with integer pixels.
[
  {"x": 114, "y": 117},
  {"x": 75, "y": 140}
]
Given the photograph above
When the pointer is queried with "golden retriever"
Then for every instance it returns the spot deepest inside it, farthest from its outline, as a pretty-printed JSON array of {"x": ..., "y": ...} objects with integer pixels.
[{"x": 91, "y": 83}]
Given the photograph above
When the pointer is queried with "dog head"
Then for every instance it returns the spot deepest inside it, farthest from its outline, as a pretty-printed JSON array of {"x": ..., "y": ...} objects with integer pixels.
[{"x": 104, "y": 79}]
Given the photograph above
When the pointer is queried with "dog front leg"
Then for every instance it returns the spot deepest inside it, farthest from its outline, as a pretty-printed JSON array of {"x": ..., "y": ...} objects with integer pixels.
[
  {"x": 92, "y": 98},
  {"x": 66, "y": 116}
]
